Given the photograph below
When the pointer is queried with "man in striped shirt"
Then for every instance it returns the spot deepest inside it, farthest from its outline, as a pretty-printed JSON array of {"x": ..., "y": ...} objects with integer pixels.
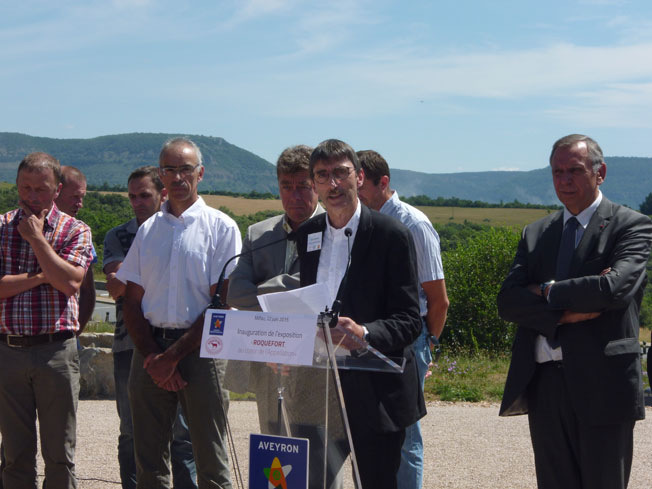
[{"x": 44, "y": 255}]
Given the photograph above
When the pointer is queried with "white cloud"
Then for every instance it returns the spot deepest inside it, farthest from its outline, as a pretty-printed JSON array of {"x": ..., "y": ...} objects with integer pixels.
[
  {"x": 620, "y": 105},
  {"x": 377, "y": 82},
  {"x": 506, "y": 168},
  {"x": 253, "y": 9}
]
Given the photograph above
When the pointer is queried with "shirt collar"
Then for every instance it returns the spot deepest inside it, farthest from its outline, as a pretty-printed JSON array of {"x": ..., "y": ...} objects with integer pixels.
[
  {"x": 51, "y": 217},
  {"x": 132, "y": 226},
  {"x": 286, "y": 225},
  {"x": 188, "y": 216},
  {"x": 391, "y": 202},
  {"x": 585, "y": 216}
]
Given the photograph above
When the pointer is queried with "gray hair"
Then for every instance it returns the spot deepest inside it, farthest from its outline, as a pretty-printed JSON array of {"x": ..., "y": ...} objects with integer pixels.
[
  {"x": 184, "y": 141},
  {"x": 331, "y": 151},
  {"x": 595, "y": 152}
]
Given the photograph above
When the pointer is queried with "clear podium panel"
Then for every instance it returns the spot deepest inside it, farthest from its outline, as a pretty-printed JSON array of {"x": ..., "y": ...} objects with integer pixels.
[
  {"x": 300, "y": 402},
  {"x": 307, "y": 401}
]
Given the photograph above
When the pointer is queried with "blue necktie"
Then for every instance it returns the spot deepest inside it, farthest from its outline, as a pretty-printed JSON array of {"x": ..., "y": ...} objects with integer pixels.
[{"x": 564, "y": 258}]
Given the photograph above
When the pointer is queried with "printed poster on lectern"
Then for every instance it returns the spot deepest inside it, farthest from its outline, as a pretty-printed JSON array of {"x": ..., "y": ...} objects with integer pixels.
[
  {"x": 259, "y": 336},
  {"x": 278, "y": 462}
]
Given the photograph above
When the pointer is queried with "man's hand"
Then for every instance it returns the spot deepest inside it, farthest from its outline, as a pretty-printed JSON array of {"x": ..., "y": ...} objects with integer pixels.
[
  {"x": 176, "y": 382},
  {"x": 535, "y": 289},
  {"x": 276, "y": 367},
  {"x": 160, "y": 368},
  {"x": 115, "y": 288},
  {"x": 343, "y": 332},
  {"x": 575, "y": 317},
  {"x": 30, "y": 226}
]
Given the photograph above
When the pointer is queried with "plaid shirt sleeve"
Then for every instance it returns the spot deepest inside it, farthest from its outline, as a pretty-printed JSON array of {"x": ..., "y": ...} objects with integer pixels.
[{"x": 78, "y": 245}]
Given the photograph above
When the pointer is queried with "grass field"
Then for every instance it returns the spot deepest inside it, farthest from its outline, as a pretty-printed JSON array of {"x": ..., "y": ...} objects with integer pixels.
[
  {"x": 237, "y": 205},
  {"x": 495, "y": 216},
  {"x": 438, "y": 215}
]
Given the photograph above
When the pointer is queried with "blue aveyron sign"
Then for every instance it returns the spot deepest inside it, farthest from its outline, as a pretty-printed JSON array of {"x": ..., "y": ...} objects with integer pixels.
[{"x": 278, "y": 462}]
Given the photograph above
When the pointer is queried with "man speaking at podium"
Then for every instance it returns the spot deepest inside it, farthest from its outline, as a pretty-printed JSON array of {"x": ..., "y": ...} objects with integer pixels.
[{"x": 380, "y": 305}]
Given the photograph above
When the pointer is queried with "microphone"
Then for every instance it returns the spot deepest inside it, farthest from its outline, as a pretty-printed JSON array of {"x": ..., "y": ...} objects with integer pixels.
[
  {"x": 337, "y": 303},
  {"x": 216, "y": 301}
]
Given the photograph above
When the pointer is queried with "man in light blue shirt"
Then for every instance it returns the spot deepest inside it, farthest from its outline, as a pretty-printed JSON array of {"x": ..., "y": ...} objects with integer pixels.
[{"x": 433, "y": 300}]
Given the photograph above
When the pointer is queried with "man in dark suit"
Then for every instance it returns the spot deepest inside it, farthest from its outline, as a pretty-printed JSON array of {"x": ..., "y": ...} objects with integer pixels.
[
  {"x": 574, "y": 290},
  {"x": 379, "y": 305}
]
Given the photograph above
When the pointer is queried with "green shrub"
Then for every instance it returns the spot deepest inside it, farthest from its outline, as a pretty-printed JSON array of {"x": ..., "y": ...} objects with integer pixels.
[
  {"x": 474, "y": 273},
  {"x": 468, "y": 377}
]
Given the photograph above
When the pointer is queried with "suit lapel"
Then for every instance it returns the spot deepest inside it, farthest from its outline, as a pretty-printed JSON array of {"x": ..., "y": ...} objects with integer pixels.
[
  {"x": 598, "y": 223},
  {"x": 550, "y": 240},
  {"x": 310, "y": 260},
  {"x": 360, "y": 248},
  {"x": 278, "y": 259}
]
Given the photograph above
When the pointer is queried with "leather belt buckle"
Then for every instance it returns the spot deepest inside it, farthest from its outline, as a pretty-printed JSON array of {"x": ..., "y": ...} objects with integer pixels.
[
  {"x": 20, "y": 344},
  {"x": 166, "y": 334}
]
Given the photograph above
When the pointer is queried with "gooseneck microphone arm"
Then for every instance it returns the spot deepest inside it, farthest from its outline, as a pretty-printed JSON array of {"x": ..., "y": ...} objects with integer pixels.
[
  {"x": 337, "y": 303},
  {"x": 217, "y": 302}
]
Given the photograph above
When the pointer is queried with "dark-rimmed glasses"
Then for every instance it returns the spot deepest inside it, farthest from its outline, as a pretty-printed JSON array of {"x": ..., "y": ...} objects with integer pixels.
[{"x": 338, "y": 174}]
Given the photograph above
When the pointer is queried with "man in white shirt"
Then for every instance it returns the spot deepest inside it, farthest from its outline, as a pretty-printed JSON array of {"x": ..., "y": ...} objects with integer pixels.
[
  {"x": 433, "y": 300},
  {"x": 172, "y": 270}
]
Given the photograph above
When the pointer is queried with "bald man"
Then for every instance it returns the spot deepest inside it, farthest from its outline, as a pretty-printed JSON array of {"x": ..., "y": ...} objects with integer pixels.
[{"x": 70, "y": 201}]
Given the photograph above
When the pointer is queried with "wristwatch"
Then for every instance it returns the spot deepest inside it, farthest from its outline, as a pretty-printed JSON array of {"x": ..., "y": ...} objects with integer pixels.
[
  {"x": 365, "y": 335},
  {"x": 435, "y": 347},
  {"x": 543, "y": 286}
]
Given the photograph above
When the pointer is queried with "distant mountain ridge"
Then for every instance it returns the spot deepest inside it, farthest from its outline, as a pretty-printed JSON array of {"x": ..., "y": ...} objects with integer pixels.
[
  {"x": 628, "y": 181},
  {"x": 111, "y": 158}
]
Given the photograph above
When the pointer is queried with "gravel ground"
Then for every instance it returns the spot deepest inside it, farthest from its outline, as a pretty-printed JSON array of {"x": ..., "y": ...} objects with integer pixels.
[{"x": 467, "y": 446}]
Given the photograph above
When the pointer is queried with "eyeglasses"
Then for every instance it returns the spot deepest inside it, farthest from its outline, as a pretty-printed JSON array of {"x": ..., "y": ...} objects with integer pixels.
[
  {"x": 183, "y": 171},
  {"x": 338, "y": 174}
]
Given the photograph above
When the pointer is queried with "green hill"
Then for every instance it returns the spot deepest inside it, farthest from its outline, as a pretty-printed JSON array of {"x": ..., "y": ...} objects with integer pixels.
[
  {"x": 628, "y": 182},
  {"x": 110, "y": 159}
]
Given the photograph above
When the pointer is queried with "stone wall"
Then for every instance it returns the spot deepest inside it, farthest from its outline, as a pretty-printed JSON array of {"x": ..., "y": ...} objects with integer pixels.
[{"x": 96, "y": 366}]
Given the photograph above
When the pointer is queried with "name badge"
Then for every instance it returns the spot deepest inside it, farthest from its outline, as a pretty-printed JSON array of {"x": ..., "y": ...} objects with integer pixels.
[{"x": 314, "y": 242}]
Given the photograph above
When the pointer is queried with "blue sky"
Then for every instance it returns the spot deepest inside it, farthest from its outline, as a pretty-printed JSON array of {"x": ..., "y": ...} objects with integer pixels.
[{"x": 434, "y": 86}]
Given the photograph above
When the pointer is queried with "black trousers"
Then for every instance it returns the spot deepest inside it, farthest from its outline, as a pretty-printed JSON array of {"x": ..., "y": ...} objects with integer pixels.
[
  {"x": 378, "y": 455},
  {"x": 568, "y": 452}
]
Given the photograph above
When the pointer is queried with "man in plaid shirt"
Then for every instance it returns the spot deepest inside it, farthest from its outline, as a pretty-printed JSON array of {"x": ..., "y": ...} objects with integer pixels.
[{"x": 44, "y": 255}]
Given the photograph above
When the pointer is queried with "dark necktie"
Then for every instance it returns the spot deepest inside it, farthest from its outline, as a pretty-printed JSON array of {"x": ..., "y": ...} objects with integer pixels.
[
  {"x": 564, "y": 258},
  {"x": 566, "y": 249}
]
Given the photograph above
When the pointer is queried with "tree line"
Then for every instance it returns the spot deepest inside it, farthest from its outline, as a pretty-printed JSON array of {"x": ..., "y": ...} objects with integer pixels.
[{"x": 476, "y": 259}]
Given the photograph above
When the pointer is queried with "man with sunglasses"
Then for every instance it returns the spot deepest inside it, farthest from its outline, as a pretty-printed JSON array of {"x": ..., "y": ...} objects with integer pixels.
[
  {"x": 379, "y": 306},
  {"x": 171, "y": 271}
]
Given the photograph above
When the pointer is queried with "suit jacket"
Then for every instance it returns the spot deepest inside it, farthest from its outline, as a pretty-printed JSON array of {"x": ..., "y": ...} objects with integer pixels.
[
  {"x": 257, "y": 273},
  {"x": 261, "y": 272},
  {"x": 600, "y": 356},
  {"x": 381, "y": 292}
]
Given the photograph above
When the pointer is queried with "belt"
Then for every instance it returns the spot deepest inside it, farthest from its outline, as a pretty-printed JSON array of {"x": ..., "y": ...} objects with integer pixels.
[
  {"x": 551, "y": 363},
  {"x": 22, "y": 341},
  {"x": 168, "y": 333}
]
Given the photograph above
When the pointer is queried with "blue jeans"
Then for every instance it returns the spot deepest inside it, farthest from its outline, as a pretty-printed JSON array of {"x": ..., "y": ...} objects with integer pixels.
[
  {"x": 184, "y": 473},
  {"x": 410, "y": 472}
]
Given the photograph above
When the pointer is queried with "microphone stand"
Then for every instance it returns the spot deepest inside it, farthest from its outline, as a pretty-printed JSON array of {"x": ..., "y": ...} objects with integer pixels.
[{"x": 216, "y": 301}]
